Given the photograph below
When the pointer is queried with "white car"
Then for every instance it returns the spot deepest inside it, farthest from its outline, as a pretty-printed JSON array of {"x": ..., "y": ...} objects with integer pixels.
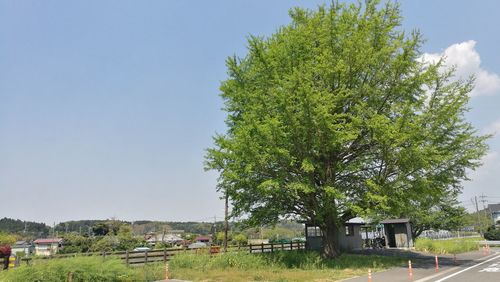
[
  {"x": 142, "y": 249},
  {"x": 197, "y": 245}
]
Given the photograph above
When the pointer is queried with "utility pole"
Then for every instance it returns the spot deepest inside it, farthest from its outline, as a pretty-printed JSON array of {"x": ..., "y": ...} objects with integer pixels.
[
  {"x": 226, "y": 224},
  {"x": 477, "y": 215},
  {"x": 483, "y": 200},
  {"x": 214, "y": 237},
  {"x": 486, "y": 211}
]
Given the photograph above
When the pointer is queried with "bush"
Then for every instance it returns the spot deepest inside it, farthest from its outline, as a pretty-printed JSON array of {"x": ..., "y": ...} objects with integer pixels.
[
  {"x": 452, "y": 246},
  {"x": 492, "y": 234},
  {"x": 83, "y": 269}
]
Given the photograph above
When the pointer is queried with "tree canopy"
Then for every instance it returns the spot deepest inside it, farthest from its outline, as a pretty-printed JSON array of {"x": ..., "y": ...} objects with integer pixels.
[{"x": 336, "y": 116}]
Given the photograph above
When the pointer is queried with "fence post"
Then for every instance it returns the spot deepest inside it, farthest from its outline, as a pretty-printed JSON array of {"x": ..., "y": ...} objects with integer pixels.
[
  {"x": 291, "y": 246},
  {"x": 165, "y": 255},
  {"x": 146, "y": 257},
  {"x": 272, "y": 248},
  {"x": 282, "y": 246},
  {"x": 261, "y": 247},
  {"x": 250, "y": 247},
  {"x": 126, "y": 257},
  {"x": 70, "y": 277}
]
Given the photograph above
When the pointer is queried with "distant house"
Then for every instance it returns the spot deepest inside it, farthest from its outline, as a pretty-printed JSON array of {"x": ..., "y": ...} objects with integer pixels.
[
  {"x": 203, "y": 239},
  {"x": 47, "y": 247},
  {"x": 22, "y": 247},
  {"x": 494, "y": 209},
  {"x": 163, "y": 238}
]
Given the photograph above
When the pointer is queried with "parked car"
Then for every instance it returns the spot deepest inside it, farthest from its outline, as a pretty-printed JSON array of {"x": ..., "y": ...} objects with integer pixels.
[
  {"x": 197, "y": 245},
  {"x": 142, "y": 249}
]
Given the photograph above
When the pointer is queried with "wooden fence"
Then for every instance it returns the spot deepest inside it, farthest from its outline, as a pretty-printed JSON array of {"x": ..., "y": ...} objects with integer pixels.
[{"x": 145, "y": 257}]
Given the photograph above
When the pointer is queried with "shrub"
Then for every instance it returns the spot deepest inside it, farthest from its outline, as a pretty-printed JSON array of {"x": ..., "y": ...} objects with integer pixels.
[{"x": 492, "y": 234}]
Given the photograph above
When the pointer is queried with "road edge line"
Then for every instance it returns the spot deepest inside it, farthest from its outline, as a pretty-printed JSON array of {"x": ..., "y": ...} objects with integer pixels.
[{"x": 470, "y": 267}]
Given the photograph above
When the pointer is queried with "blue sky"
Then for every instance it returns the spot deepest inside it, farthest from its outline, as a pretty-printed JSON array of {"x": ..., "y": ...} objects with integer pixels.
[{"x": 106, "y": 107}]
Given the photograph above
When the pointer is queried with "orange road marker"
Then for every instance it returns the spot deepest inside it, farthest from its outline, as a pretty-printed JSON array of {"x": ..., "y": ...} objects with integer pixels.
[
  {"x": 410, "y": 270},
  {"x": 369, "y": 275},
  {"x": 437, "y": 263}
]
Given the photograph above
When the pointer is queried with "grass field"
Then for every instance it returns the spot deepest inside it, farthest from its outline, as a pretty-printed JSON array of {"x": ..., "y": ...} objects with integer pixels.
[
  {"x": 83, "y": 269},
  {"x": 451, "y": 246},
  {"x": 279, "y": 266}
]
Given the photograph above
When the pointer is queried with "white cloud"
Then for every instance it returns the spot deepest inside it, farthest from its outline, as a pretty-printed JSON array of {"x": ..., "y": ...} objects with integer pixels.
[
  {"x": 493, "y": 128},
  {"x": 467, "y": 62}
]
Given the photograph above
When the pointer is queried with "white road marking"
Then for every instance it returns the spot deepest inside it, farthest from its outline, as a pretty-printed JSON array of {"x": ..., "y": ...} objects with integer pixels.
[
  {"x": 437, "y": 274},
  {"x": 491, "y": 268},
  {"x": 456, "y": 273}
]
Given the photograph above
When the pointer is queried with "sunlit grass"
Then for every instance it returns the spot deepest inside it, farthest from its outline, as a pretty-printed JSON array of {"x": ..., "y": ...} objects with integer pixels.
[
  {"x": 279, "y": 266},
  {"x": 82, "y": 269},
  {"x": 451, "y": 246}
]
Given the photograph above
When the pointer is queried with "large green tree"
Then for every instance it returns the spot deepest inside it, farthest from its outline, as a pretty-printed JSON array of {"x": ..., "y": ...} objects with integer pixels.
[{"x": 334, "y": 116}]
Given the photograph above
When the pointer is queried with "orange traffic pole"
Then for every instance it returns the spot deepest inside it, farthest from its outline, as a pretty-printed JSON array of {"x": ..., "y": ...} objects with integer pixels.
[
  {"x": 454, "y": 259},
  {"x": 410, "y": 270},
  {"x": 369, "y": 275},
  {"x": 437, "y": 263}
]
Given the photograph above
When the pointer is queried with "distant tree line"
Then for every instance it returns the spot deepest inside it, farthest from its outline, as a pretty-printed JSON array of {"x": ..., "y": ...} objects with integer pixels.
[{"x": 24, "y": 228}]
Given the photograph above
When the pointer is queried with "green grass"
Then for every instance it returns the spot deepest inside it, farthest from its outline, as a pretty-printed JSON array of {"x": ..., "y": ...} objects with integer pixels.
[
  {"x": 278, "y": 266},
  {"x": 451, "y": 246},
  {"x": 82, "y": 269}
]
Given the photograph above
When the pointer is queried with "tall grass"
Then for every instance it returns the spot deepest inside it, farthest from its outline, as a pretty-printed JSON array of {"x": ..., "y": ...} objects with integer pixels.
[
  {"x": 451, "y": 246},
  {"x": 283, "y": 260},
  {"x": 277, "y": 266},
  {"x": 82, "y": 269}
]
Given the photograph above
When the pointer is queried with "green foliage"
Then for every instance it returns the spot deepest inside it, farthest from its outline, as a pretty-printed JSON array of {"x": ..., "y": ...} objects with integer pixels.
[
  {"x": 240, "y": 239},
  {"x": 334, "y": 116},
  {"x": 278, "y": 233},
  {"x": 444, "y": 215},
  {"x": 127, "y": 240},
  {"x": 452, "y": 246},
  {"x": 83, "y": 269},
  {"x": 107, "y": 243},
  {"x": 100, "y": 229},
  {"x": 492, "y": 234},
  {"x": 74, "y": 243},
  {"x": 7, "y": 239},
  {"x": 28, "y": 228},
  {"x": 122, "y": 241}
]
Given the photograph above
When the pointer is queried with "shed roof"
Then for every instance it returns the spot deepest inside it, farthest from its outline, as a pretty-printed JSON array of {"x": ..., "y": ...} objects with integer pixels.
[
  {"x": 48, "y": 241},
  {"x": 397, "y": 220}
]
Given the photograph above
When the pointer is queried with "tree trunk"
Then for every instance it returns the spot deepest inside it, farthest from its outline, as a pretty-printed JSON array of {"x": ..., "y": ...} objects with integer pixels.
[{"x": 330, "y": 242}]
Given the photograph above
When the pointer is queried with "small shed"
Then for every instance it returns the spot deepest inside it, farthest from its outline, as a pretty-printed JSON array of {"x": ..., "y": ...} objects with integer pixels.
[
  {"x": 47, "y": 247},
  {"x": 348, "y": 236},
  {"x": 397, "y": 233},
  {"x": 203, "y": 239},
  {"x": 22, "y": 247}
]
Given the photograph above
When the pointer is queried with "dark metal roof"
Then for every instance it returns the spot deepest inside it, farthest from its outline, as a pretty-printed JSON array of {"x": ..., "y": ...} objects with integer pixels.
[
  {"x": 494, "y": 207},
  {"x": 398, "y": 220}
]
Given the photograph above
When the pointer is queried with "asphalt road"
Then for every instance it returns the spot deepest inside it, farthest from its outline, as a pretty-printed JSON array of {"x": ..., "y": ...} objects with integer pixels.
[
  {"x": 487, "y": 270},
  {"x": 473, "y": 266}
]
